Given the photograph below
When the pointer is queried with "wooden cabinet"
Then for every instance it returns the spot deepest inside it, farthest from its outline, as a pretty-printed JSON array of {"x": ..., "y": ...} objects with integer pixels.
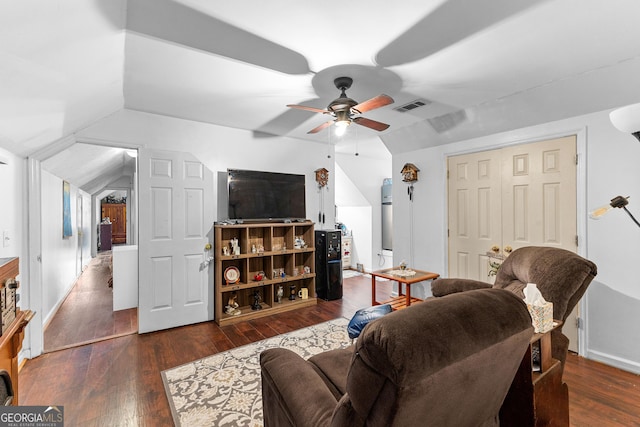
[
  {"x": 117, "y": 213},
  {"x": 12, "y": 336},
  {"x": 263, "y": 257}
]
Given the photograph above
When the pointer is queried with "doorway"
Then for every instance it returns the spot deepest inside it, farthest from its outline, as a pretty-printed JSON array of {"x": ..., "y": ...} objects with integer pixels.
[{"x": 63, "y": 290}]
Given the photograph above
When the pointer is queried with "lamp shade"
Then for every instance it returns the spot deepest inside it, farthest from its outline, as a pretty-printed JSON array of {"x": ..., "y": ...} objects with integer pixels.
[{"x": 626, "y": 119}]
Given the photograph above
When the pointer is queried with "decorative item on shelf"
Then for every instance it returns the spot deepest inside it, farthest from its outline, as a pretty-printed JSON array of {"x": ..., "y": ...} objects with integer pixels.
[
  {"x": 403, "y": 265},
  {"x": 307, "y": 269},
  {"x": 296, "y": 271},
  {"x": 232, "y": 306},
  {"x": 279, "y": 294},
  {"x": 256, "y": 300},
  {"x": 254, "y": 249},
  {"x": 292, "y": 292},
  {"x": 225, "y": 250},
  {"x": 231, "y": 275},
  {"x": 303, "y": 293},
  {"x": 282, "y": 273},
  {"x": 259, "y": 276},
  {"x": 260, "y": 249},
  {"x": 235, "y": 246},
  {"x": 299, "y": 243}
]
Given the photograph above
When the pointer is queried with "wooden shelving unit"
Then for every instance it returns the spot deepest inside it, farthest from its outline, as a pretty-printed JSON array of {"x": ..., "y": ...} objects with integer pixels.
[{"x": 269, "y": 248}]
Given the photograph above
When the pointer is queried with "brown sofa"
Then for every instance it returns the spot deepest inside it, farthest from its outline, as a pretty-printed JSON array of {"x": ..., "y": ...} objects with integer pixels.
[
  {"x": 445, "y": 362},
  {"x": 561, "y": 276}
]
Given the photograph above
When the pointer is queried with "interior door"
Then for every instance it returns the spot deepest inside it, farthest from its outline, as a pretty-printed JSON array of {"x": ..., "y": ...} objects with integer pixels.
[
  {"x": 475, "y": 223},
  {"x": 175, "y": 224},
  {"x": 522, "y": 195}
]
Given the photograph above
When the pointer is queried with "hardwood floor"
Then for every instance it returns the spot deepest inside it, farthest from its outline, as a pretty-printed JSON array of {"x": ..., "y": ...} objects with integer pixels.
[
  {"x": 87, "y": 315},
  {"x": 117, "y": 382}
]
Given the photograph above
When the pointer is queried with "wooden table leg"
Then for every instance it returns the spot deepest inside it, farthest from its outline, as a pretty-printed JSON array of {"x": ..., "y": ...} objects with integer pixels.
[
  {"x": 373, "y": 290},
  {"x": 408, "y": 287}
]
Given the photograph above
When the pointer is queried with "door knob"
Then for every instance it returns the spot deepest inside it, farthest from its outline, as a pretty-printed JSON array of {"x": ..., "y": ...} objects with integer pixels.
[{"x": 508, "y": 249}]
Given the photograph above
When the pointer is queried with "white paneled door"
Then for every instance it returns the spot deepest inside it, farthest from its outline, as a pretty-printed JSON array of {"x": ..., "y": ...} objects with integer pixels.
[
  {"x": 521, "y": 195},
  {"x": 175, "y": 223}
]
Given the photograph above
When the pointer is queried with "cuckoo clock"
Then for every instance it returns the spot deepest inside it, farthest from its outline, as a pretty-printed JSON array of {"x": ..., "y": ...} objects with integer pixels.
[
  {"x": 409, "y": 172},
  {"x": 322, "y": 177}
]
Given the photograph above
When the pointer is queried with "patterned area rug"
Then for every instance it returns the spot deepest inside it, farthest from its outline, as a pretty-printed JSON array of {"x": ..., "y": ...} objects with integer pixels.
[{"x": 225, "y": 389}]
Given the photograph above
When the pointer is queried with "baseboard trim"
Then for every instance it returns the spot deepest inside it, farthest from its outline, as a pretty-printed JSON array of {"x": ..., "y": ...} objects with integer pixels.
[{"x": 616, "y": 362}]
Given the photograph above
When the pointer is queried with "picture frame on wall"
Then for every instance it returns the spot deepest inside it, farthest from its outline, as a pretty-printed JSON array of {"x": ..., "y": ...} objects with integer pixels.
[{"x": 67, "y": 231}]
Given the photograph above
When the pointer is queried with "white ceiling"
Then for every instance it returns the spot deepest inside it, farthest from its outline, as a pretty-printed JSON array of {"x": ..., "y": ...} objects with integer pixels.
[{"x": 484, "y": 66}]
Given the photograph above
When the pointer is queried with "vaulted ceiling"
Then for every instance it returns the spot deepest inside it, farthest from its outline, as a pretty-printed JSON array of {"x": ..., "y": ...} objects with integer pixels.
[{"x": 478, "y": 66}]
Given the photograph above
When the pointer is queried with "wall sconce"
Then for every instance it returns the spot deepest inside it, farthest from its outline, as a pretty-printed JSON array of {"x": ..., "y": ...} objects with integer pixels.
[
  {"x": 627, "y": 119},
  {"x": 616, "y": 202}
]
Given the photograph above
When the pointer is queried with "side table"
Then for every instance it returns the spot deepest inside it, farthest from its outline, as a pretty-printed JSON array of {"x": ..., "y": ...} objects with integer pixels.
[
  {"x": 537, "y": 397},
  {"x": 402, "y": 300}
]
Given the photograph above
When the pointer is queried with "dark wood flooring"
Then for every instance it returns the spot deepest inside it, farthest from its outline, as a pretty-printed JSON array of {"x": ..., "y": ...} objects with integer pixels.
[
  {"x": 117, "y": 382},
  {"x": 87, "y": 315}
]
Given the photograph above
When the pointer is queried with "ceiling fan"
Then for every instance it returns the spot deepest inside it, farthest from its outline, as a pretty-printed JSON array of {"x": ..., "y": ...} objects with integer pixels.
[{"x": 343, "y": 109}]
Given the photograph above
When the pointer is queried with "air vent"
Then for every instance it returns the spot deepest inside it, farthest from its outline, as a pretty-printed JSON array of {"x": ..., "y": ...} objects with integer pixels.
[{"x": 412, "y": 105}]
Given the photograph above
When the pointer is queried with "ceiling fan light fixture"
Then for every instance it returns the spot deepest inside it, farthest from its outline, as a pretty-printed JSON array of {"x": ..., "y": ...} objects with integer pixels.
[{"x": 341, "y": 126}]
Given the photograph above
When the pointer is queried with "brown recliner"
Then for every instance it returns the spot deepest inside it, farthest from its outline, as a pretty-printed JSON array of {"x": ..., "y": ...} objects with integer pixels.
[
  {"x": 445, "y": 362},
  {"x": 561, "y": 276}
]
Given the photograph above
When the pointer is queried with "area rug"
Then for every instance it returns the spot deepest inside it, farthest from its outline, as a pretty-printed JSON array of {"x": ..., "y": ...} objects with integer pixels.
[{"x": 225, "y": 389}]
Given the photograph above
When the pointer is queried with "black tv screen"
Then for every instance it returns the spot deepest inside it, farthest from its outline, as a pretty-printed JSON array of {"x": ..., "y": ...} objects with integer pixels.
[{"x": 265, "y": 195}]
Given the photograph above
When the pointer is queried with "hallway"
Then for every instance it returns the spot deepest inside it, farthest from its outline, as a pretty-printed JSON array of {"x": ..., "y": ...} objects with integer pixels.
[{"x": 87, "y": 315}]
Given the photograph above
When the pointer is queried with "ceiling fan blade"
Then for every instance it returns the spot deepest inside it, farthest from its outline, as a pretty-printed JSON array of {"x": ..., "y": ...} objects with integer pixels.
[
  {"x": 178, "y": 23},
  {"x": 453, "y": 21},
  {"x": 372, "y": 124},
  {"x": 373, "y": 103},
  {"x": 322, "y": 126},
  {"x": 304, "y": 107}
]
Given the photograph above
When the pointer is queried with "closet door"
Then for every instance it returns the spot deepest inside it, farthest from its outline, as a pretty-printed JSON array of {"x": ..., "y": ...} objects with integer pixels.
[
  {"x": 522, "y": 195},
  {"x": 539, "y": 194},
  {"x": 474, "y": 212}
]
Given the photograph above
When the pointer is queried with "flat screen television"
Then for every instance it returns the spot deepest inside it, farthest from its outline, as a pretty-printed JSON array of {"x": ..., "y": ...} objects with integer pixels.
[{"x": 256, "y": 195}]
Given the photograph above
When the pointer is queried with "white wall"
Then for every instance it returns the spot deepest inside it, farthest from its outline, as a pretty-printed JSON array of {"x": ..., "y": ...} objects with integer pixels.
[
  {"x": 13, "y": 213},
  {"x": 220, "y": 148},
  {"x": 358, "y": 221},
  {"x": 608, "y": 167},
  {"x": 13, "y": 217},
  {"x": 58, "y": 253}
]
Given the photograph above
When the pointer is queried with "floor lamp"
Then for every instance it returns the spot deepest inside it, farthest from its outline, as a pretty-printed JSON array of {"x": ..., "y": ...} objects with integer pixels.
[{"x": 626, "y": 119}]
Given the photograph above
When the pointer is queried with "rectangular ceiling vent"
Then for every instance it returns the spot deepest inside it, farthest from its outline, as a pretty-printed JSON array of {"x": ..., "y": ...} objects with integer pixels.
[{"x": 412, "y": 105}]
